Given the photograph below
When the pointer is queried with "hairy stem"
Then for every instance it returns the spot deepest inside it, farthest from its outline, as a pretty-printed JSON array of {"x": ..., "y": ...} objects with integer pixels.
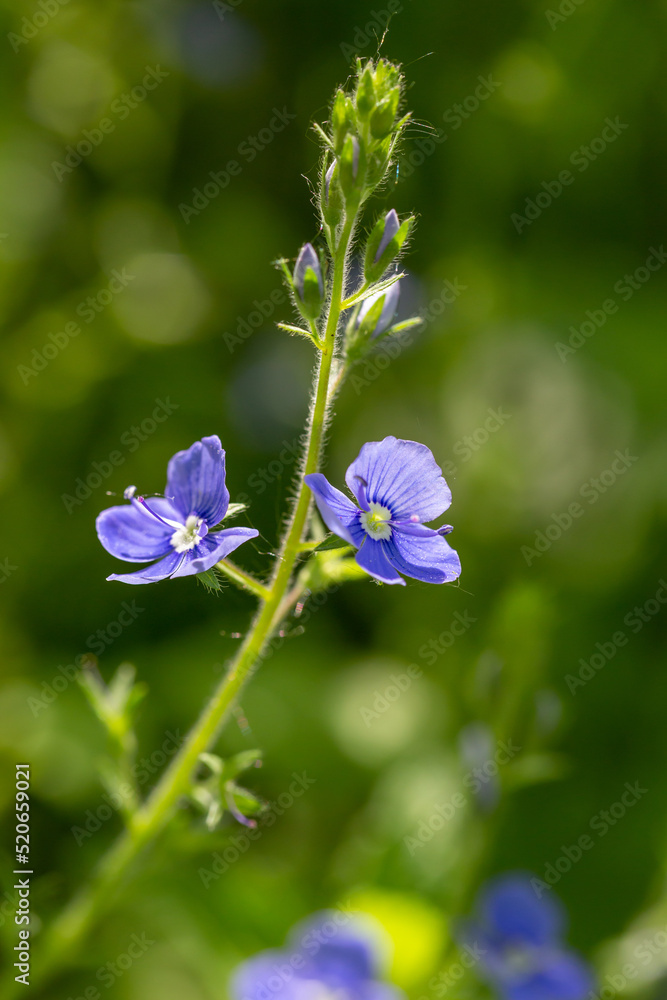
[{"x": 78, "y": 918}]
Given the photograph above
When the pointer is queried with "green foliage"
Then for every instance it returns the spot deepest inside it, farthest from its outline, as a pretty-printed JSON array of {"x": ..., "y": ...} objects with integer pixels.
[{"x": 493, "y": 348}]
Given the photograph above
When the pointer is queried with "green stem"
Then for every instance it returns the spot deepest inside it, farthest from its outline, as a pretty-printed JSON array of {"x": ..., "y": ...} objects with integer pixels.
[
  {"x": 69, "y": 930},
  {"x": 242, "y": 579}
]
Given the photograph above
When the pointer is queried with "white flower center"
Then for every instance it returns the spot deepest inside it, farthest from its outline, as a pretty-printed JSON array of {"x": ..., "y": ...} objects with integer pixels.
[
  {"x": 187, "y": 535},
  {"x": 374, "y": 521}
]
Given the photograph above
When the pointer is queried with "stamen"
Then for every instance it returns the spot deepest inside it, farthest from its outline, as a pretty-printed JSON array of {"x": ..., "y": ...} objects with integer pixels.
[
  {"x": 140, "y": 502},
  {"x": 361, "y": 492}
]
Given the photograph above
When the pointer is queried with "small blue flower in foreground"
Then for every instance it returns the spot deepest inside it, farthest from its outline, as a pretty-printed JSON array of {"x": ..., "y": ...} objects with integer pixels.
[
  {"x": 328, "y": 957},
  {"x": 174, "y": 529},
  {"x": 519, "y": 937},
  {"x": 398, "y": 485}
]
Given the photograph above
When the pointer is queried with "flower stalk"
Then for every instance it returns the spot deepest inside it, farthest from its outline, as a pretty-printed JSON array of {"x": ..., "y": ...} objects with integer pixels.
[
  {"x": 69, "y": 930},
  {"x": 357, "y": 155}
]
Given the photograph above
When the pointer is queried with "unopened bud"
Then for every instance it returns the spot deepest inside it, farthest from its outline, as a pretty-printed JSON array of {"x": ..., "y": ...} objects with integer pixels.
[
  {"x": 365, "y": 96},
  {"x": 386, "y": 304},
  {"x": 384, "y": 243},
  {"x": 331, "y": 200},
  {"x": 351, "y": 167},
  {"x": 308, "y": 282},
  {"x": 342, "y": 119},
  {"x": 384, "y": 115}
]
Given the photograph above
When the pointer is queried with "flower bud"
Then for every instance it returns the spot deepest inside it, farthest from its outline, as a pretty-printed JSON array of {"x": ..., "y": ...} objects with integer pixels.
[
  {"x": 384, "y": 115},
  {"x": 352, "y": 168},
  {"x": 342, "y": 119},
  {"x": 365, "y": 96},
  {"x": 384, "y": 243},
  {"x": 331, "y": 199},
  {"x": 308, "y": 283},
  {"x": 383, "y": 305}
]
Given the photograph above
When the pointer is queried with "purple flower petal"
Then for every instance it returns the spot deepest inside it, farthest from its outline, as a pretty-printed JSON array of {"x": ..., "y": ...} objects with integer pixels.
[
  {"x": 429, "y": 559},
  {"x": 338, "y": 513},
  {"x": 196, "y": 481},
  {"x": 403, "y": 476},
  {"x": 212, "y": 549},
  {"x": 130, "y": 533},
  {"x": 561, "y": 975},
  {"x": 510, "y": 908},
  {"x": 307, "y": 259},
  {"x": 391, "y": 227},
  {"x": 372, "y": 556},
  {"x": 251, "y": 978},
  {"x": 152, "y": 574}
]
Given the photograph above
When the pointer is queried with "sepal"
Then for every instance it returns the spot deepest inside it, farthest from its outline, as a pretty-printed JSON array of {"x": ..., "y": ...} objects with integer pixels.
[
  {"x": 352, "y": 165},
  {"x": 217, "y": 791},
  {"x": 331, "y": 196},
  {"x": 342, "y": 119}
]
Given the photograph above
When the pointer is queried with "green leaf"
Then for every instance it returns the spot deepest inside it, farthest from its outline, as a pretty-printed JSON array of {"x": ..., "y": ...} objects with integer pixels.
[
  {"x": 332, "y": 542},
  {"x": 211, "y": 580},
  {"x": 303, "y": 333},
  {"x": 366, "y": 291}
]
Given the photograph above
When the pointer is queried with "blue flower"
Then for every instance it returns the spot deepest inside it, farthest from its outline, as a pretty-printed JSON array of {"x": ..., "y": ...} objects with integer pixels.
[
  {"x": 397, "y": 485},
  {"x": 328, "y": 957},
  {"x": 174, "y": 529},
  {"x": 519, "y": 937}
]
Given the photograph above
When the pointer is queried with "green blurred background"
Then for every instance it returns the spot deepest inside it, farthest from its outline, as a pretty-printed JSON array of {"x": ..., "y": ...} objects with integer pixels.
[{"x": 181, "y": 331}]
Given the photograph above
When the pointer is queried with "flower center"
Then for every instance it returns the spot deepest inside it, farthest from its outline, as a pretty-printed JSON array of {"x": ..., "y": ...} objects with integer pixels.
[
  {"x": 519, "y": 960},
  {"x": 374, "y": 521},
  {"x": 188, "y": 535}
]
